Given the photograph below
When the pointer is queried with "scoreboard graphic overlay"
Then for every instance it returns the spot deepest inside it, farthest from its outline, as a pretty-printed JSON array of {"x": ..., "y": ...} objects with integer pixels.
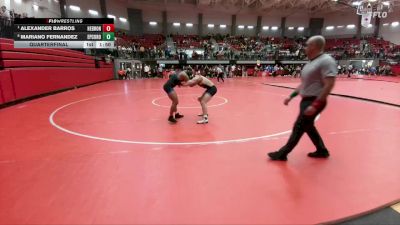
[{"x": 95, "y": 33}]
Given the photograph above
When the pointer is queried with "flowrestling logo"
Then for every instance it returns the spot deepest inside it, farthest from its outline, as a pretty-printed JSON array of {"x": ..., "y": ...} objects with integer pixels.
[{"x": 371, "y": 9}]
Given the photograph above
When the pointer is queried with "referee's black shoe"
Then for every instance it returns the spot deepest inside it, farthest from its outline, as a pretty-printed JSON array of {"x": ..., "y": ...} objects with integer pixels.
[
  {"x": 319, "y": 154},
  {"x": 172, "y": 119},
  {"x": 277, "y": 156},
  {"x": 178, "y": 116}
]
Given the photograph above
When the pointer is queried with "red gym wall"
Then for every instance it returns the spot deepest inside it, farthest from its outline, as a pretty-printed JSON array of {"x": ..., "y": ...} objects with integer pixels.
[{"x": 28, "y": 72}]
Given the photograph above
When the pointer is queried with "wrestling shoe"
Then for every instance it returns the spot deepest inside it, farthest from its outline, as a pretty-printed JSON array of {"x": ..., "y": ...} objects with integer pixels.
[
  {"x": 277, "y": 156},
  {"x": 319, "y": 154},
  {"x": 172, "y": 119},
  {"x": 178, "y": 116},
  {"x": 203, "y": 121}
]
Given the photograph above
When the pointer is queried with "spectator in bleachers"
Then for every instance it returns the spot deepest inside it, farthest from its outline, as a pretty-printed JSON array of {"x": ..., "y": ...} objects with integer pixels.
[
  {"x": 5, "y": 23},
  {"x": 4, "y": 13},
  {"x": 254, "y": 48},
  {"x": 141, "y": 52}
]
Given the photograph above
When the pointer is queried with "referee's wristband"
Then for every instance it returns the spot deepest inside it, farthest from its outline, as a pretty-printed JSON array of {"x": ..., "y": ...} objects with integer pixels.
[{"x": 294, "y": 94}]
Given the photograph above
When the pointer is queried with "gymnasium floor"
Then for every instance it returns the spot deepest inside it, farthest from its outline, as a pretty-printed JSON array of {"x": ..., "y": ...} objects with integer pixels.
[{"x": 106, "y": 154}]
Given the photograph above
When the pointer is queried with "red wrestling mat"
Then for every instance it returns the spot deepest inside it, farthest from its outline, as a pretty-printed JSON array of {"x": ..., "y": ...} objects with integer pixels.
[
  {"x": 395, "y": 79},
  {"x": 371, "y": 89},
  {"x": 105, "y": 154}
]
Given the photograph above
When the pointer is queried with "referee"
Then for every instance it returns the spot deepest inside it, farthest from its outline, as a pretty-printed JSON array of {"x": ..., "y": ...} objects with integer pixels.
[{"x": 317, "y": 81}]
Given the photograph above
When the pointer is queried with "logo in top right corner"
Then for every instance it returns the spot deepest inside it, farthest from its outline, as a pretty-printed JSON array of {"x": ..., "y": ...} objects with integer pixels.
[{"x": 371, "y": 9}]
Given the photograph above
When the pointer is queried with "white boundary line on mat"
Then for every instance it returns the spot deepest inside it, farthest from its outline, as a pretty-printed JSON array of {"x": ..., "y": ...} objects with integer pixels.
[{"x": 54, "y": 124}]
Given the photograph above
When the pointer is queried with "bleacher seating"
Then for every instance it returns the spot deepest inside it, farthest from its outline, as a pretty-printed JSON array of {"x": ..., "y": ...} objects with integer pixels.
[
  {"x": 28, "y": 72},
  {"x": 147, "y": 40},
  {"x": 187, "y": 41}
]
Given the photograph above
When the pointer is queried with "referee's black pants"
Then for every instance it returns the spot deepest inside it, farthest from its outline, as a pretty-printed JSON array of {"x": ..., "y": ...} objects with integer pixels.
[{"x": 304, "y": 124}]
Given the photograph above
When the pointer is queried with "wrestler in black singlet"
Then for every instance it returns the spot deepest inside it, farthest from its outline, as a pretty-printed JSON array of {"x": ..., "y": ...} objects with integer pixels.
[
  {"x": 210, "y": 90},
  {"x": 171, "y": 83}
]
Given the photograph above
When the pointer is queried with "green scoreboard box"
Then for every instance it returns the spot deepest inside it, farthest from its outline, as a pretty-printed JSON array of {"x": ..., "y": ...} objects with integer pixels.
[{"x": 108, "y": 36}]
